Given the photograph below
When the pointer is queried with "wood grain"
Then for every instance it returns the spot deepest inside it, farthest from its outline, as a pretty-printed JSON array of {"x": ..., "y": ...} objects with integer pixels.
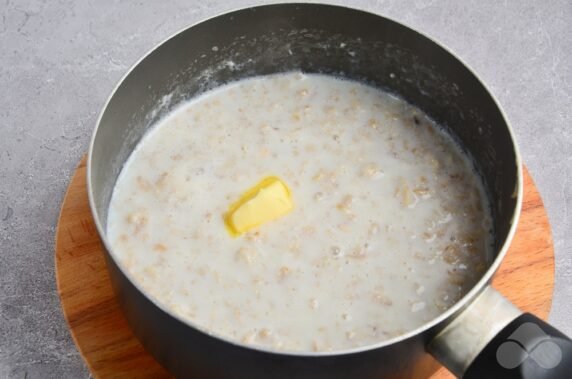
[{"x": 110, "y": 349}]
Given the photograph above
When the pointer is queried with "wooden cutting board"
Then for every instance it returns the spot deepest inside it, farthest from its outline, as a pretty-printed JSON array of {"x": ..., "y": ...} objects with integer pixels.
[{"x": 110, "y": 349}]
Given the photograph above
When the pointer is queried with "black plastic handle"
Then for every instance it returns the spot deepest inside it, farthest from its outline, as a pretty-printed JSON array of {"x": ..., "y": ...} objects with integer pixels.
[{"x": 526, "y": 348}]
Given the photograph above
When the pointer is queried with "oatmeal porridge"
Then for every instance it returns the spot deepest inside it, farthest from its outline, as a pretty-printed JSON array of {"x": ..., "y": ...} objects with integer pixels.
[{"x": 383, "y": 223}]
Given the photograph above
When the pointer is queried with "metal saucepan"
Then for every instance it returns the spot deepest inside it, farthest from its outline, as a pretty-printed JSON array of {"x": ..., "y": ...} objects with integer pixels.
[{"x": 483, "y": 335}]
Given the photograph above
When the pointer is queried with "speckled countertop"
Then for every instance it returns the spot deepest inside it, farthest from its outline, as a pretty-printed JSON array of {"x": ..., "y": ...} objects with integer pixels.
[{"x": 59, "y": 60}]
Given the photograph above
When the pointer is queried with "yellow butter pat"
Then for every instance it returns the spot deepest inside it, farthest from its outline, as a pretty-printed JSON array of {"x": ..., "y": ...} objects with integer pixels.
[{"x": 264, "y": 202}]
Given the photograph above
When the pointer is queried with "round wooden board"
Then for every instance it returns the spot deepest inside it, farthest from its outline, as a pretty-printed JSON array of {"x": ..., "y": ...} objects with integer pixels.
[{"x": 110, "y": 349}]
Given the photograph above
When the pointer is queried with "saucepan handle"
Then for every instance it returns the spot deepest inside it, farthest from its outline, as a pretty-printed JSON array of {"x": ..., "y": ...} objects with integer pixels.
[
  {"x": 526, "y": 348},
  {"x": 492, "y": 338}
]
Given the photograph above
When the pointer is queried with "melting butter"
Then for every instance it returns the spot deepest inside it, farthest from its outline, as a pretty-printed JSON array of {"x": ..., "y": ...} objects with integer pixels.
[{"x": 266, "y": 201}]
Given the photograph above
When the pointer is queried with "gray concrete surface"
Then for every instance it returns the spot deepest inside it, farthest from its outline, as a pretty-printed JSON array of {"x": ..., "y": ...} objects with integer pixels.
[{"x": 60, "y": 59}]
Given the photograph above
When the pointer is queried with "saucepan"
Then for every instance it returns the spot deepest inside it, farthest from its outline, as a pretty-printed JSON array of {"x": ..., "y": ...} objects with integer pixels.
[{"x": 482, "y": 335}]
